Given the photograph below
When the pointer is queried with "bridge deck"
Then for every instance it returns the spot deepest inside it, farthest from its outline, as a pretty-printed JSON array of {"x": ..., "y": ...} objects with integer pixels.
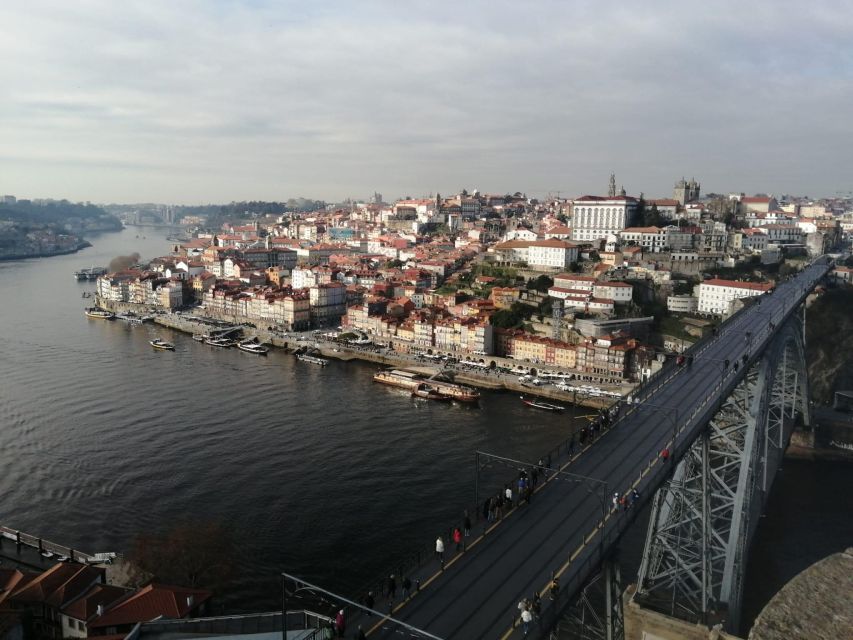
[{"x": 476, "y": 596}]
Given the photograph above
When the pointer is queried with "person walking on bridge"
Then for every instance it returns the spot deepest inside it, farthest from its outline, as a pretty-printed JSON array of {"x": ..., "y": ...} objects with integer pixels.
[
  {"x": 508, "y": 495},
  {"x": 457, "y": 538},
  {"x": 340, "y": 624},
  {"x": 439, "y": 550},
  {"x": 466, "y": 524},
  {"x": 392, "y": 587}
]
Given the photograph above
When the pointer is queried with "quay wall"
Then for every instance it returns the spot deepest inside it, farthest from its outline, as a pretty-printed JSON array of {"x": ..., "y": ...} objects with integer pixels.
[{"x": 187, "y": 324}]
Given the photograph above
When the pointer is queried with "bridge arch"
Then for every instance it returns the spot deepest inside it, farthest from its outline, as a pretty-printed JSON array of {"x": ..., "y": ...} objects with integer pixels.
[{"x": 704, "y": 517}]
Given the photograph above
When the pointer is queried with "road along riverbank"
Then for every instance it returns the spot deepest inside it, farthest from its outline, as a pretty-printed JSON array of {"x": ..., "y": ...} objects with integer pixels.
[{"x": 484, "y": 379}]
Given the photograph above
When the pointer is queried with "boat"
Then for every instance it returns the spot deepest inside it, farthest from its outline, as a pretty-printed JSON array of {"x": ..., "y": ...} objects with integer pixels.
[
  {"x": 427, "y": 392},
  {"x": 200, "y": 337},
  {"x": 100, "y": 314},
  {"x": 304, "y": 357},
  {"x": 220, "y": 342},
  {"x": 538, "y": 404},
  {"x": 399, "y": 378},
  {"x": 91, "y": 273},
  {"x": 252, "y": 346},
  {"x": 157, "y": 343},
  {"x": 411, "y": 379}
]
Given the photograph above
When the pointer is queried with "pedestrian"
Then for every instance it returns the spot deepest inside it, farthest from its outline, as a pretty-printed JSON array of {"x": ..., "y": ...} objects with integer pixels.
[
  {"x": 369, "y": 601},
  {"x": 534, "y": 477},
  {"x": 555, "y": 588},
  {"x": 624, "y": 502},
  {"x": 407, "y": 587},
  {"x": 392, "y": 587},
  {"x": 466, "y": 524},
  {"x": 340, "y": 624},
  {"x": 488, "y": 510},
  {"x": 508, "y": 496},
  {"x": 664, "y": 454},
  {"x": 635, "y": 495},
  {"x": 439, "y": 550},
  {"x": 615, "y": 501},
  {"x": 457, "y": 538},
  {"x": 522, "y": 607},
  {"x": 526, "y": 618},
  {"x": 360, "y": 635},
  {"x": 536, "y": 606}
]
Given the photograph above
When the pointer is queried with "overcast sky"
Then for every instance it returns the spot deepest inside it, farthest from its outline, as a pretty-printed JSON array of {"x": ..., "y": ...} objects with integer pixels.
[{"x": 211, "y": 101}]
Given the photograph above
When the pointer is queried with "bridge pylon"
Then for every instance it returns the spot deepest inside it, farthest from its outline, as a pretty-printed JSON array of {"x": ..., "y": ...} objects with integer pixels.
[{"x": 704, "y": 517}]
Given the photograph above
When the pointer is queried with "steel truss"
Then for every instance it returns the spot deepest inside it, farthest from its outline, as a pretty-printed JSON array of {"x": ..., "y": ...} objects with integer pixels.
[
  {"x": 596, "y": 613},
  {"x": 704, "y": 517}
]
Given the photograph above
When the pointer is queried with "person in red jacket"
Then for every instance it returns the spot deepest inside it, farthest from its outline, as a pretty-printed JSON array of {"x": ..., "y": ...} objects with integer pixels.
[
  {"x": 340, "y": 624},
  {"x": 457, "y": 538}
]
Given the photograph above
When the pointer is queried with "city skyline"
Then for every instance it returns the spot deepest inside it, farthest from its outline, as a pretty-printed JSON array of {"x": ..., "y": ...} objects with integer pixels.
[{"x": 214, "y": 102}]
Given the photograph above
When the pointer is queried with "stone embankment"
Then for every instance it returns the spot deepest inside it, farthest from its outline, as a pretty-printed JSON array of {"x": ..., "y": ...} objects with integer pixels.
[{"x": 187, "y": 323}]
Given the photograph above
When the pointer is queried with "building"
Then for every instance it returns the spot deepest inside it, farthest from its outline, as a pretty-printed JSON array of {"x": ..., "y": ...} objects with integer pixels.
[
  {"x": 682, "y": 304},
  {"x": 538, "y": 254},
  {"x": 595, "y": 217},
  {"x": 716, "y": 295},
  {"x": 606, "y": 357},
  {"x": 328, "y": 303},
  {"x": 685, "y": 191}
]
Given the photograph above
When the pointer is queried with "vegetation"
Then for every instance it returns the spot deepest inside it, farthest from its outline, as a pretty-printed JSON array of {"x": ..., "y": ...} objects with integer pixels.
[
  {"x": 59, "y": 211},
  {"x": 829, "y": 343},
  {"x": 192, "y": 554},
  {"x": 512, "y": 318},
  {"x": 540, "y": 284}
]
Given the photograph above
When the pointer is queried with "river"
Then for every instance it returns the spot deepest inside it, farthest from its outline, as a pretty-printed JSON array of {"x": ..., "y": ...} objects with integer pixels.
[{"x": 319, "y": 471}]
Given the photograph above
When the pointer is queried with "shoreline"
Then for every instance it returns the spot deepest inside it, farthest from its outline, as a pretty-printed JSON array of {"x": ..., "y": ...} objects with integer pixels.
[
  {"x": 85, "y": 244},
  {"x": 185, "y": 324}
]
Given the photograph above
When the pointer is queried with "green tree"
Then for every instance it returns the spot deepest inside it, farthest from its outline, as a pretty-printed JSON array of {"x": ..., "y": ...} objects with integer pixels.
[{"x": 541, "y": 283}]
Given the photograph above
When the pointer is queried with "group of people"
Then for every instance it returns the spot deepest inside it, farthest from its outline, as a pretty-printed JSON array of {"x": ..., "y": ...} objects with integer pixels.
[
  {"x": 528, "y": 611},
  {"x": 495, "y": 506},
  {"x": 626, "y": 500}
]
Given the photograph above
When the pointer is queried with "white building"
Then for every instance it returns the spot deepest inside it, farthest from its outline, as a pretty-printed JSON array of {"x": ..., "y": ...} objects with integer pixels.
[
  {"x": 594, "y": 217},
  {"x": 544, "y": 254},
  {"x": 716, "y": 295},
  {"x": 619, "y": 292},
  {"x": 682, "y": 304}
]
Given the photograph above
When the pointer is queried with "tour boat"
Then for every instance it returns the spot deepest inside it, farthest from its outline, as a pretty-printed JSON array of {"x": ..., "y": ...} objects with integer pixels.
[
  {"x": 538, "y": 404},
  {"x": 100, "y": 314},
  {"x": 220, "y": 342},
  {"x": 304, "y": 357},
  {"x": 250, "y": 346},
  {"x": 157, "y": 343},
  {"x": 428, "y": 393}
]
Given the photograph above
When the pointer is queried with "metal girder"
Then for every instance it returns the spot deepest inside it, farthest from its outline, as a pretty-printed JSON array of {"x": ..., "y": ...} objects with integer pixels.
[
  {"x": 596, "y": 614},
  {"x": 704, "y": 517}
]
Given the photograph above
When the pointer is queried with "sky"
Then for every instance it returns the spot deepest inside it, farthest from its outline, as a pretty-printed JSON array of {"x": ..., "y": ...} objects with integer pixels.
[{"x": 212, "y": 101}]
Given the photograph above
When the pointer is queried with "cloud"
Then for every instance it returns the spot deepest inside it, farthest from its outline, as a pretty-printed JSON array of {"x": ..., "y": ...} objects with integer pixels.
[{"x": 203, "y": 101}]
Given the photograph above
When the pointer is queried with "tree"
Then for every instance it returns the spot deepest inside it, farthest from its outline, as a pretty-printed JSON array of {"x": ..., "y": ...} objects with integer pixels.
[
  {"x": 192, "y": 554},
  {"x": 541, "y": 284},
  {"x": 651, "y": 216}
]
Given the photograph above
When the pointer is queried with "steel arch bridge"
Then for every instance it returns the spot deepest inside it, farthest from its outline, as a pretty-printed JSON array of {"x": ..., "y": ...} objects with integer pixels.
[{"x": 703, "y": 519}]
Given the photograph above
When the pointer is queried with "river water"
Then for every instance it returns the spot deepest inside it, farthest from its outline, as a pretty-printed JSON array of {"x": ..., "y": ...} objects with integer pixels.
[{"x": 319, "y": 471}]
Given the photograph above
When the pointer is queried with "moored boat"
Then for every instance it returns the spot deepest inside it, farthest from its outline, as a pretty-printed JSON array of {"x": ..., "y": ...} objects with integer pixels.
[
  {"x": 251, "y": 346},
  {"x": 157, "y": 343},
  {"x": 100, "y": 314},
  {"x": 200, "y": 337},
  {"x": 304, "y": 357},
  {"x": 539, "y": 404},
  {"x": 427, "y": 392},
  {"x": 220, "y": 342}
]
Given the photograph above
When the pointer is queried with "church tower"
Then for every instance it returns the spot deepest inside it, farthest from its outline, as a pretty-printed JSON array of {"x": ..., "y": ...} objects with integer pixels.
[{"x": 611, "y": 191}]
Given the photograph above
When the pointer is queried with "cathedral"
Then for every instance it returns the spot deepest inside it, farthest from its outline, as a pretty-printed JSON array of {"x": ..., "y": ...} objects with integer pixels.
[{"x": 685, "y": 191}]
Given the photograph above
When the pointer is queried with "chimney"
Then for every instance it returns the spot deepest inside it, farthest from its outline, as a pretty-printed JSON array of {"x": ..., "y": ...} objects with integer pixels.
[
  {"x": 100, "y": 609},
  {"x": 190, "y": 601}
]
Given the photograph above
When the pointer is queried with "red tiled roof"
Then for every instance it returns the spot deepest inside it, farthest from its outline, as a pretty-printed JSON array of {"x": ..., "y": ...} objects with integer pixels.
[
  {"x": 151, "y": 602},
  {"x": 87, "y": 606},
  {"x": 60, "y": 584}
]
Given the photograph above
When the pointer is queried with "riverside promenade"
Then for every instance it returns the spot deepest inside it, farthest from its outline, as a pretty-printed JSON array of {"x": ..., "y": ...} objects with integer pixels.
[{"x": 481, "y": 378}]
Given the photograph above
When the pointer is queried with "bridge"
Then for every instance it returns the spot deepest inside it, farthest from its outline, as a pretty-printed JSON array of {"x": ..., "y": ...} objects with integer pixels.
[{"x": 701, "y": 441}]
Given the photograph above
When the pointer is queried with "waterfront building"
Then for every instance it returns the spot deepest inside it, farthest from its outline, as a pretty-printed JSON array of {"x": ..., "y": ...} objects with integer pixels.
[{"x": 606, "y": 357}]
